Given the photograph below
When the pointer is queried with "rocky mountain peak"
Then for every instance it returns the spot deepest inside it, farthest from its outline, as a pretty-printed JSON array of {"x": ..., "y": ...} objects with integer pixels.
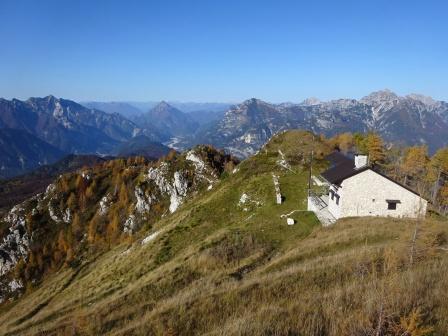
[
  {"x": 311, "y": 101},
  {"x": 162, "y": 108},
  {"x": 47, "y": 100},
  {"x": 253, "y": 101},
  {"x": 252, "y": 104},
  {"x": 164, "y": 104},
  {"x": 51, "y": 98},
  {"x": 426, "y": 100},
  {"x": 341, "y": 103},
  {"x": 379, "y": 97},
  {"x": 168, "y": 120},
  {"x": 253, "y": 108}
]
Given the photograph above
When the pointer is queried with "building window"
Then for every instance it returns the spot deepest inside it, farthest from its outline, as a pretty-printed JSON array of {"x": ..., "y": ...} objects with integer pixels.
[
  {"x": 332, "y": 194},
  {"x": 392, "y": 204},
  {"x": 337, "y": 199}
]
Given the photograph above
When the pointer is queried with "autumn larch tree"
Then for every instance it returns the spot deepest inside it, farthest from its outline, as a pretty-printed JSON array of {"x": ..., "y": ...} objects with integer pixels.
[
  {"x": 415, "y": 162},
  {"x": 346, "y": 142},
  {"x": 375, "y": 148},
  {"x": 360, "y": 141},
  {"x": 438, "y": 176}
]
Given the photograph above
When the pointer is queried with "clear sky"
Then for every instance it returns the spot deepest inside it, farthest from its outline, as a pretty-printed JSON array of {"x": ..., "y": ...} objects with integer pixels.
[{"x": 228, "y": 50}]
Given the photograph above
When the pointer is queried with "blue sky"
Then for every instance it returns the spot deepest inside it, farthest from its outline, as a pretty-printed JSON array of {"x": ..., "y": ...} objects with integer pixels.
[{"x": 222, "y": 50}]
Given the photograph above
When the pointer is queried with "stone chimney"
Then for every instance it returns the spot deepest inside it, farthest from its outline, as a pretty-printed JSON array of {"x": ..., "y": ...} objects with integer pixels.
[{"x": 361, "y": 161}]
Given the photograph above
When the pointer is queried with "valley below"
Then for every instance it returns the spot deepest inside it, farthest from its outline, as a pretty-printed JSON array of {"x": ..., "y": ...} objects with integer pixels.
[{"x": 55, "y": 127}]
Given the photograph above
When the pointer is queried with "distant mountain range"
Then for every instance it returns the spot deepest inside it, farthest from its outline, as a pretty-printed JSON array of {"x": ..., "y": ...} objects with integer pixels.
[
  {"x": 412, "y": 119},
  {"x": 67, "y": 125},
  {"x": 125, "y": 109},
  {"x": 21, "y": 151},
  {"x": 168, "y": 120},
  {"x": 55, "y": 126},
  {"x": 202, "y": 113},
  {"x": 40, "y": 131}
]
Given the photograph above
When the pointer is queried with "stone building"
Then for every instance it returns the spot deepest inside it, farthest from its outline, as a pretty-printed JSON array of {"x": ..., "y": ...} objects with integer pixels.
[{"x": 356, "y": 189}]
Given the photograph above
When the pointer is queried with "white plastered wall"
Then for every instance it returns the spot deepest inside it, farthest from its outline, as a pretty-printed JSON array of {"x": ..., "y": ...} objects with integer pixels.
[
  {"x": 333, "y": 208},
  {"x": 365, "y": 194}
]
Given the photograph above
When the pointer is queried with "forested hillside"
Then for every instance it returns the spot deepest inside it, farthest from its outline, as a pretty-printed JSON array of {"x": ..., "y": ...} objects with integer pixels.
[{"x": 94, "y": 209}]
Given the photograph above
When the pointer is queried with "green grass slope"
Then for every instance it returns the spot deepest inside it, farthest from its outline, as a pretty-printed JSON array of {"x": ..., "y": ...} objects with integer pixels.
[{"x": 219, "y": 267}]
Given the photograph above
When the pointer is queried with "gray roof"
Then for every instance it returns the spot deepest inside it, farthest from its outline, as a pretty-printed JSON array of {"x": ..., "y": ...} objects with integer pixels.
[{"x": 342, "y": 167}]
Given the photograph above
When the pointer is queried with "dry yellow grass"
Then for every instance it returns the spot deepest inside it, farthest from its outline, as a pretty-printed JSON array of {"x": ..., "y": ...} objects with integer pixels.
[
  {"x": 218, "y": 270},
  {"x": 343, "y": 280}
]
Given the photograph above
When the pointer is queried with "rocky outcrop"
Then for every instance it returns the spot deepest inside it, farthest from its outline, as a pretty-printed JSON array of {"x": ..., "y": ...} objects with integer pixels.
[
  {"x": 130, "y": 225},
  {"x": 67, "y": 218},
  {"x": 16, "y": 243},
  {"x": 104, "y": 204},
  {"x": 13, "y": 248},
  {"x": 175, "y": 188},
  {"x": 143, "y": 201},
  {"x": 247, "y": 202},
  {"x": 201, "y": 169}
]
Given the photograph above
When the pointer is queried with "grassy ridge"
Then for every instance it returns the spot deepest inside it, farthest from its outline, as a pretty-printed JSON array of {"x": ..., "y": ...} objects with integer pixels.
[{"x": 218, "y": 267}]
